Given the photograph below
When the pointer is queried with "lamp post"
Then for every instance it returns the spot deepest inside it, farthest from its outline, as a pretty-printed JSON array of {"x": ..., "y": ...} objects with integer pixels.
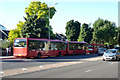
[{"x": 49, "y": 18}]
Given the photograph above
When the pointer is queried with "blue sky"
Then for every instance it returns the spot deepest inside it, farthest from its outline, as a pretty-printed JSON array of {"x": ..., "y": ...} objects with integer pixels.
[{"x": 12, "y": 11}]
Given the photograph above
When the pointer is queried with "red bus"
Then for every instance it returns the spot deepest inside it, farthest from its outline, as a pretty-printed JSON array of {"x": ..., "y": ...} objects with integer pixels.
[
  {"x": 30, "y": 47},
  {"x": 74, "y": 47},
  {"x": 93, "y": 48}
]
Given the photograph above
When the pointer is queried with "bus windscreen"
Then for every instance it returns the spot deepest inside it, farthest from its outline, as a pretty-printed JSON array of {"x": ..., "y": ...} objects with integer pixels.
[{"x": 20, "y": 43}]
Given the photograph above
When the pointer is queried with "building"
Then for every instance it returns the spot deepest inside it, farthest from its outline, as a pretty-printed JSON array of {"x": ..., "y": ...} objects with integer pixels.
[
  {"x": 60, "y": 37},
  {"x": 3, "y": 32}
]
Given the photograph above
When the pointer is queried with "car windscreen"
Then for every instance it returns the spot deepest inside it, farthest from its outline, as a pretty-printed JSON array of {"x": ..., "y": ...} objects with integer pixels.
[
  {"x": 20, "y": 43},
  {"x": 111, "y": 51}
]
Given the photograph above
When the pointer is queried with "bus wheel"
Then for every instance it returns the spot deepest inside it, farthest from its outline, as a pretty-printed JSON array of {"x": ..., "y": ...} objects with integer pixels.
[
  {"x": 84, "y": 53},
  {"x": 73, "y": 52},
  {"x": 39, "y": 56},
  {"x": 27, "y": 57},
  {"x": 59, "y": 54}
]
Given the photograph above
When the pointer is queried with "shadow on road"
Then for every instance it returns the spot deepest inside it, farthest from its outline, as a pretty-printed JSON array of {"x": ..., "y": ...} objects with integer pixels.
[{"x": 55, "y": 59}]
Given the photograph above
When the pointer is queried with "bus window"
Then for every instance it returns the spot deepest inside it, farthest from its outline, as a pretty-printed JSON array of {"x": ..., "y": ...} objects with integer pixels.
[
  {"x": 47, "y": 45},
  {"x": 90, "y": 46},
  {"x": 20, "y": 43},
  {"x": 53, "y": 46},
  {"x": 36, "y": 45}
]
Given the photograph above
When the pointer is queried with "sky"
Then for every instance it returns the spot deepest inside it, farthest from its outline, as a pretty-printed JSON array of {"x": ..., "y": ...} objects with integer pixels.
[{"x": 84, "y": 11}]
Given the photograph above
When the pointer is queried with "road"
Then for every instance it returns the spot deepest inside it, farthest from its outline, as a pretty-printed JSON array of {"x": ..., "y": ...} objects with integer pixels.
[
  {"x": 23, "y": 63},
  {"x": 81, "y": 66}
]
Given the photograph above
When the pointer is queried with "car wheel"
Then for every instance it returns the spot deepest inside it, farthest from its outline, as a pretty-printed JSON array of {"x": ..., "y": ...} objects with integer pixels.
[
  {"x": 74, "y": 53},
  {"x": 117, "y": 58},
  {"x": 59, "y": 54},
  {"x": 103, "y": 59},
  {"x": 84, "y": 53}
]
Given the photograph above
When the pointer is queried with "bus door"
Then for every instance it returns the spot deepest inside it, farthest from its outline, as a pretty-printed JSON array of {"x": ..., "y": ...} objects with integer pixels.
[
  {"x": 32, "y": 48},
  {"x": 47, "y": 49}
]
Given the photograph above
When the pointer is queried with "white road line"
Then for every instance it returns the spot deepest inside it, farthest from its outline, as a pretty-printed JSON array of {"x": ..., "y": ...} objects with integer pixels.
[
  {"x": 88, "y": 70},
  {"x": 2, "y": 73},
  {"x": 41, "y": 66},
  {"x": 24, "y": 69},
  {"x": 112, "y": 63},
  {"x": 30, "y": 69}
]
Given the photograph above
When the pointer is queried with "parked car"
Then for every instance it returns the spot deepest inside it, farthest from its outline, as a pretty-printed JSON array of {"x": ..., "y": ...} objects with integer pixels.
[
  {"x": 118, "y": 48},
  {"x": 101, "y": 51},
  {"x": 111, "y": 54}
]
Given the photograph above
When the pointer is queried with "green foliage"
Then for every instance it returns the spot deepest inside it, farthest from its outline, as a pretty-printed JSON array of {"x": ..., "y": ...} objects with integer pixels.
[
  {"x": 104, "y": 31},
  {"x": 97, "y": 33},
  {"x": 72, "y": 30},
  {"x": 37, "y": 10},
  {"x": 85, "y": 33},
  {"x": 15, "y": 33},
  {"x": 34, "y": 28},
  {"x": 19, "y": 27},
  {"x": 118, "y": 35},
  {"x": 6, "y": 43},
  {"x": 41, "y": 10}
]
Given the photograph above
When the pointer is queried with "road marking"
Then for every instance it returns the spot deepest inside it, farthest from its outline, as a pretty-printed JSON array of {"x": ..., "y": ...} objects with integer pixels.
[
  {"x": 41, "y": 66},
  {"x": 112, "y": 63},
  {"x": 88, "y": 70},
  {"x": 24, "y": 69},
  {"x": 2, "y": 73},
  {"x": 44, "y": 67}
]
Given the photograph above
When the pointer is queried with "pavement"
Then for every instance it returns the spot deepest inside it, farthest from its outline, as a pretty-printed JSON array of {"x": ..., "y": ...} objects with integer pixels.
[
  {"x": 76, "y": 69},
  {"x": 33, "y": 65},
  {"x": 6, "y": 57}
]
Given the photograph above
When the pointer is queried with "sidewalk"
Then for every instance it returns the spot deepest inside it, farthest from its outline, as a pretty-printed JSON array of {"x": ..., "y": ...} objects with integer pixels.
[{"x": 6, "y": 57}]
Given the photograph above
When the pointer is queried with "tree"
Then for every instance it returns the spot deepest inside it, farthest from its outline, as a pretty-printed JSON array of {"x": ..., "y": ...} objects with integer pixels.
[
  {"x": 15, "y": 33},
  {"x": 110, "y": 33},
  {"x": 85, "y": 33},
  {"x": 6, "y": 43},
  {"x": 34, "y": 28},
  {"x": 119, "y": 35},
  {"x": 41, "y": 10},
  {"x": 19, "y": 27},
  {"x": 104, "y": 31},
  {"x": 97, "y": 33},
  {"x": 72, "y": 30}
]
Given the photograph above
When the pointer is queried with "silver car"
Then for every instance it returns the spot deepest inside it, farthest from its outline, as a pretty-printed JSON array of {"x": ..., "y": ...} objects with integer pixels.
[
  {"x": 101, "y": 51},
  {"x": 111, "y": 54}
]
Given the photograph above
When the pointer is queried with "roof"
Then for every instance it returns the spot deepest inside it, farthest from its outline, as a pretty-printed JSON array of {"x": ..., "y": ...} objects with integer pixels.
[
  {"x": 77, "y": 42},
  {"x": 2, "y": 27},
  {"x": 40, "y": 39},
  {"x": 4, "y": 34}
]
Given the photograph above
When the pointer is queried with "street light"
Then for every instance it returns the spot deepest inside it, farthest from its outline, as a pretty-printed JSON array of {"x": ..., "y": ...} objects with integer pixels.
[{"x": 49, "y": 17}]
